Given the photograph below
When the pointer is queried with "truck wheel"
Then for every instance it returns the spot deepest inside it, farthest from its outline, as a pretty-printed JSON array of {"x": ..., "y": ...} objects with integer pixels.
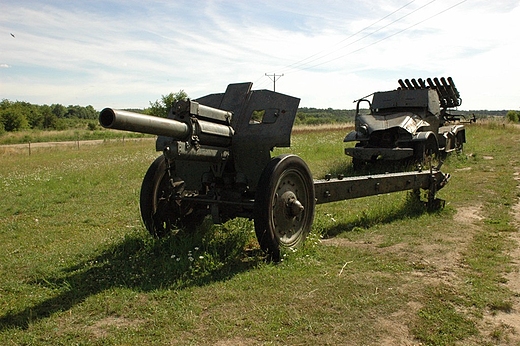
[
  {"x": 427, "y": 151},
  {"x": 357, "y": 164},
  {"x": 459, "y": 144},
  {"x": 284, "y": 204},
  {"x": 160, "y": 213}
]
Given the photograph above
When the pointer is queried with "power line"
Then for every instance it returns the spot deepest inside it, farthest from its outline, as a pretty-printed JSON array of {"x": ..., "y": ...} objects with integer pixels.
[
  {"x": 389, "y": 36},
  {"x": 294, "y": 65},
  {"x": 274, "y": 78},
  {"x": 365, "y": 36}
]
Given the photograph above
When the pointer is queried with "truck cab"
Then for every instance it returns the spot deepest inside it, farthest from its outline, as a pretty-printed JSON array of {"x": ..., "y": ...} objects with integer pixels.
[{"x": 406, "y": 123}]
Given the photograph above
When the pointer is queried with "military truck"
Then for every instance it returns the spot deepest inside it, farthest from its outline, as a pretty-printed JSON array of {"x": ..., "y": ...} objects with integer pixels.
[{"x": 409, "y": 123}]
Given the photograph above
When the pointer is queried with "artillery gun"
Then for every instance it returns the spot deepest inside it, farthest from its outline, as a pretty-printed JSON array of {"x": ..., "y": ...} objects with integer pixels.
[
  {"x": 411, "y": 122},
  {"x": 217, "y": 161}
]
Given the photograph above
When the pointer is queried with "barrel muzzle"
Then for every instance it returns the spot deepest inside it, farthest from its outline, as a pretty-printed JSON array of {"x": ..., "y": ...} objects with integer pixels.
[{"x": 142, "y": 123}]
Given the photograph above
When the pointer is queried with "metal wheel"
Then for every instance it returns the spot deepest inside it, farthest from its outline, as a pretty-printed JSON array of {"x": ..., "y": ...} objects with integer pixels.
[
  {"x": 284, "y": 204},
  {"x": 160, "y": 211}
]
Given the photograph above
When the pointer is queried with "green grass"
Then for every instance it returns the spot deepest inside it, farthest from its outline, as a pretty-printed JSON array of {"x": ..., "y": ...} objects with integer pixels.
[
  {"x": 78, "y": 134},
  {"x": 78, "y": 267}
]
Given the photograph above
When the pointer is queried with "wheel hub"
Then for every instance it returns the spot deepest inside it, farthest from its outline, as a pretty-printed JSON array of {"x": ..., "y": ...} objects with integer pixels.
[
  {"x": 287, "y": 210},
  {"x": 293, "y": 206}
]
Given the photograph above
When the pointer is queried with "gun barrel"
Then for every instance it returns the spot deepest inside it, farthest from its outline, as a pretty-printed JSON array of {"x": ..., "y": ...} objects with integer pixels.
[{"x": 135, "y": 122}]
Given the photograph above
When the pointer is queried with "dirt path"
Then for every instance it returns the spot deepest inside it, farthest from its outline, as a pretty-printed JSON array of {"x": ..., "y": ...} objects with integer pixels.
[
  {"x": 510, "y": 321},
  {"x": 29, "y": 147},
  {"x": 443, "y": 263}
]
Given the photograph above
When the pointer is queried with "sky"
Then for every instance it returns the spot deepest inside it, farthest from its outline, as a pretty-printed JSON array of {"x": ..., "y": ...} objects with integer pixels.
[{"x": 328, "y": 53}]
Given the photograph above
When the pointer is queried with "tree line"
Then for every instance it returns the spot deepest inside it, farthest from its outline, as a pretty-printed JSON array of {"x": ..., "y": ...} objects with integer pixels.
[
  {"x": 317, "y": 116},
  {"x": 19, "y": 115}
]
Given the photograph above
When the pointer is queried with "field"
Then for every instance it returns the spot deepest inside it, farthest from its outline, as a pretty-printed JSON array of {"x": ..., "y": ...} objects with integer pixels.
[{"x": 77, "y": 266}]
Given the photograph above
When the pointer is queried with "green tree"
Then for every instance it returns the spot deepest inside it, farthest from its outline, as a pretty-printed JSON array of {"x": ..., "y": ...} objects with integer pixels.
[
  {"x": 5, "y": 104},
  {"x": 49, "y": 118},
  {"x": 74, "y": 112},
  {"x": 161, "y": 108},
  {"x": 59, "y": 110},
  {"x": 79, "y": 112},
  {"x": 513, "y": 116},
  {"x": 13, "y": 119},
  {"x": 91, "y": 113},
  {"x": 32, "y": 113}
]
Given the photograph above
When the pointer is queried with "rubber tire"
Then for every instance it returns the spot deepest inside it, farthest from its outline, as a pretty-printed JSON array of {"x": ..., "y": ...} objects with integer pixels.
[
  {"x": 358, "y": 164},
  {"x": 154, "y": 181},
  {"x": 459, "y": 146},
  {"x": 176, "y": 217},
  {"x": 284, "y": 173},
  {"x": 426, "y": 149}
]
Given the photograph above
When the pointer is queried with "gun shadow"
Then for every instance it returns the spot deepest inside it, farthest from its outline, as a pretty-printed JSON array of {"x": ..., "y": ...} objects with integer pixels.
[{"x": 138, "y": 263}]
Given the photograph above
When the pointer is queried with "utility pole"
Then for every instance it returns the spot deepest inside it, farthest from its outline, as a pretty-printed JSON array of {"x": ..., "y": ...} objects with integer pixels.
[{"x": 274, "y": 77}]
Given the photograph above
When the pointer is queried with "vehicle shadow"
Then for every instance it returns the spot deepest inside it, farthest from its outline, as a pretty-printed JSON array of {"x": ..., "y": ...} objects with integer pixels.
[{"x": 143, "y": 264}]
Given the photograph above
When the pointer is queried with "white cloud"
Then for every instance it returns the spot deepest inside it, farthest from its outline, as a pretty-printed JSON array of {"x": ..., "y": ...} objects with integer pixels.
[{"x": 126, "y": 54}]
